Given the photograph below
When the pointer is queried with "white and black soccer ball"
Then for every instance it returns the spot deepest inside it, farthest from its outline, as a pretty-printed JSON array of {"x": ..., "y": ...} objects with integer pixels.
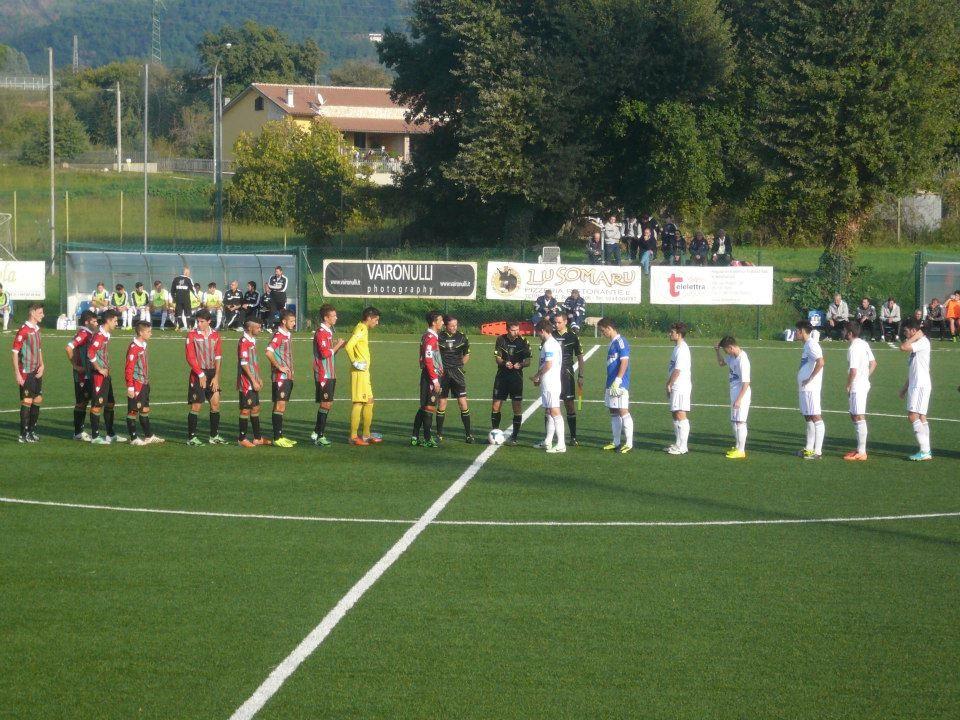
[{"x": 496, "y": 437}]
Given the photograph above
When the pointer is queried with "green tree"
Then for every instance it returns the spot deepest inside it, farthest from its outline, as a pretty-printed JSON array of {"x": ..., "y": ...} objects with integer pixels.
[
  {"x": 70, "y": 137},
  {"x": 258, "y": 53},
  {"x": 291, "y": 176},
  {"x": 360, "y": 73},
  {"x": 13, "y": 61}
]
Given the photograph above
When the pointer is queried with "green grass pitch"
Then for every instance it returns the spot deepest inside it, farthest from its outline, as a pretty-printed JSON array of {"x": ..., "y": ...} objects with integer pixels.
[{"x": 107, "y": 614}]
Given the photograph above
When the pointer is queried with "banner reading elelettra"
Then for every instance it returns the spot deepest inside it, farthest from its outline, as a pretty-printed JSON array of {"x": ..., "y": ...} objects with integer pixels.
[
  {"x": 695, "y": 285},
  {"x": 400, "y": 279},
  {"x": 24, "y": 280},
  {"x": 597, "y": 283}
]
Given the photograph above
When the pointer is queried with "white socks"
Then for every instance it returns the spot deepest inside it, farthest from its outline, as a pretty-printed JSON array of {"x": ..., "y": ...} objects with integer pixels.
[
  {"x": 616, "y": 428},
  {"x": 558, "y": 428},
  {"x": 861, "y": 427},
  {"x": 681, "y": 432},
  {"x": 740, "y": 435},
  {"x": 551, "y": 429},
  {"x": 627, "y": 422},
  {"x": 819, "y": 431},
  {"x": 922, "y": 432},
  {"x": 6, "y": 320},
  {"x": 811, "y": 436}
]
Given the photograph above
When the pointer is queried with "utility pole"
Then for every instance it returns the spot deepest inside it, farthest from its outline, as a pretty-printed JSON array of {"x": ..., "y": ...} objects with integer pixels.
[
  {"x": 219, "y": 161},
  {"x": 53, "y": 198},
  {"x": 76, "y": 55},
  {"x": 119, "y": 146},
  {"x": 146, "y": 127}
]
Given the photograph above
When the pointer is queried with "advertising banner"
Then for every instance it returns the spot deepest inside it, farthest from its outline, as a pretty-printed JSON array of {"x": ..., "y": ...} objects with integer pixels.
[
  {"x": 509, "y": 280},
  {"x": 24, "y": 280},
  {"x": 400, "y": 279},
  {"x": 695, "y": 285}
]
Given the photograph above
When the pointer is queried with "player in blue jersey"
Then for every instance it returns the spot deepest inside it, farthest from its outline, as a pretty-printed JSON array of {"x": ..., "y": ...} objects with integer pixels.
[{"x": 616, "y": 396}]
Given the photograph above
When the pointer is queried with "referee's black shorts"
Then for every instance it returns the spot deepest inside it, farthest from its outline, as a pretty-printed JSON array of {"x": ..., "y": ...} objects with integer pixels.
[
  {"x": 508, "y": 385},
  {"x": 568, "y": 384},
  {"x": 453, "y": 383}
]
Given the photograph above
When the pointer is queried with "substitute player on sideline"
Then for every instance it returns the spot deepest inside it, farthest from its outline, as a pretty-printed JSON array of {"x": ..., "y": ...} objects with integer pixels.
[
  {"x": 679, "y": 388},
  {"x": 570, "y": 384},
  {"x": 204, "y": 358},
  {"x": 77, "y": 355},
  {"x": 919, "y": 387},
  {"x": 325, "y": 349},
  {"x": 548, "y": 378},
  {"x": 361, "y": 389},
  {"x": 137, "y": 376},
  {"x": 455, "y": 354},
  {"x": 616, "y": 394},
  {"x": 512, "y": 354},
  {"x": 861, "y": 364},
  {"x": 101, "y": 382},
  {"x": 249, "y": 385},
  {"x": 28, "y": 372},
  {"x": 741, "y": 390},
  {"x": 280, "y": 355},
  {"x": 810, "y": 384},
  {"x": 431, "y": 370}
]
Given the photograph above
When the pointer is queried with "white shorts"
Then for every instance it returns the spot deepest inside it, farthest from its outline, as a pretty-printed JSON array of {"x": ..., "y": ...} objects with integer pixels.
[
  {"x": 550, "y": 397},
  {"x": 621, "y": 402},
  {"x": 918, "y": 400},
  {"x": 858, "y": 400},
  {"x": 680, "y": 400},
  {"x": 740, "y": 414},
  {"x": 810, "y": 402}
]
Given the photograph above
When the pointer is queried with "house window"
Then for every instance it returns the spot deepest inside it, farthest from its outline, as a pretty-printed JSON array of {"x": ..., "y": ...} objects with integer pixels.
[
  {"x": 360, "y": 140},
  {"x": 258, "y": 103}
]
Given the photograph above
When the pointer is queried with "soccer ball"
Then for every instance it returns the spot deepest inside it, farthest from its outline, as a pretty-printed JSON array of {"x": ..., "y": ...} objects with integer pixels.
[{"x": 496, "y": 437}]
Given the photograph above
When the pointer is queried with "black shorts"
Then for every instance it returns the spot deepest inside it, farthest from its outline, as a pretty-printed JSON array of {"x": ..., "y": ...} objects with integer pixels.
[
  {"x": 32, "y": 386},
  {"x": 81, "y": 391},
  {"x": 102, "y": 392},
  {"x": 453, "y": 383},
  {"x": 508, "y": 386},
  {"x": 281, "y": 390},
  {"x": 197, "y": 394},
  {"x": 249, "y": 399},
  {"x": 428, "y": 393},
  {"x": 140, "y": 401},
  {"x": 325, "y": 391},
  {"x": 568, "y": 384}
]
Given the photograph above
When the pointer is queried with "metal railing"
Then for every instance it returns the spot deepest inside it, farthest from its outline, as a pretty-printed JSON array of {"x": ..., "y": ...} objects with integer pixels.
[{"x": 24, "y": 82}]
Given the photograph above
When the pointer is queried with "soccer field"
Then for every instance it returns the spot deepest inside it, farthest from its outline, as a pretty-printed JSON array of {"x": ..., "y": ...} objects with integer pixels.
[{"x": 169, "y": 581}]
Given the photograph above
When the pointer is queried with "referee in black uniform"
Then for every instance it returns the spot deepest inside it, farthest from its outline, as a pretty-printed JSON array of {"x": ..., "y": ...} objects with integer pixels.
[
  {"x": 512, "y": 355},
  {"x": 180, "y": 290},
  {"x": 277, "y": 286},
  {"x": 455, "y": 353}
]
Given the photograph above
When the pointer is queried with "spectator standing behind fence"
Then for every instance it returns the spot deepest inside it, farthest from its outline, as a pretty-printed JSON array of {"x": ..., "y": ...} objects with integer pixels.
[
  {"x": 140, "y": 305},
  {"x": 544, "y": 307},
  {"x": 251, "y": 303},
  {"x": 213, "y": 301},
  {"x": 673, "y": 244},
  {"x": 935, "y": 321},
  {"x": 612, "y": 233},
  {"x": 595, "y": 248},
  {"x": 233, "y": 303},
  {"x": 161, "y": 303},
  {"x": 867, "y": 317},
  {"x": 838, "y": 315},
  {"x": 722, "y": 251},
  {"x": 576, "y": 310},
  {"x": 699, "y": 249},
  {"x": 180, "y": 290},
  {"x": 649, "y": 249},
  {"x": 277, "y": 286},
  {"x": 631, "y": 236},
  {"x": 890, "y": 320}
]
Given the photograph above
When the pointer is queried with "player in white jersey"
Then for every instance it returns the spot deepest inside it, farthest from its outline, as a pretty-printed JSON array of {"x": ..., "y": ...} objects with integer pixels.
[
  {"x": 679, "y": 388},
  {"x": 809, "y": 384},
  {"x": 548, "y": 378},
  {"x": 919, "y": 387},
  {"x": 731, "y": 355},
  {"x": 861, "y": 365}
]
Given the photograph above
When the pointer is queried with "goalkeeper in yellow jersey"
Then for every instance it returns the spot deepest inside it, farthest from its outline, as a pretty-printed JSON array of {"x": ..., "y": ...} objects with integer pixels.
[{"x": 361, "y": 389}]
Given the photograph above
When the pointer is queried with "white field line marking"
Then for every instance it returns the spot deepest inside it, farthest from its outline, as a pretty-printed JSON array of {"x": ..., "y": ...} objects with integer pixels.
[
  {"x": 312, "y": 641},
  {"x": 484, "y": 523},
  {"x": 47, "y": 408}
]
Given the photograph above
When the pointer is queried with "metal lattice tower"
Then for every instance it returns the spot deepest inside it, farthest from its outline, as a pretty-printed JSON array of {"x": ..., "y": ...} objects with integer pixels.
[
  {"x": 76, "y": 54},
  {"x": 158, "y": 7}
]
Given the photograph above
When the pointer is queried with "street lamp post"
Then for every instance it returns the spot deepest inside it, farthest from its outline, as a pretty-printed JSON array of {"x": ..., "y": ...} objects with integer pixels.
[{"x": 218, "y": 146}]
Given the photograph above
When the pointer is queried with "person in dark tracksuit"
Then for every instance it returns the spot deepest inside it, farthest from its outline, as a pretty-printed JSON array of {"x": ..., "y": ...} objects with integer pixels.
[{"x": 180, "y": 290}]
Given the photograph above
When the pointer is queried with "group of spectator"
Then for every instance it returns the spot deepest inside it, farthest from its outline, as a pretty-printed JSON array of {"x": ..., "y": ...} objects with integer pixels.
[
  {"x": 178, "y": 306},
  {"x": 643, "y": 239},
  {"x": 574, "y": 307},
  {"x": 937, "y": 320}
]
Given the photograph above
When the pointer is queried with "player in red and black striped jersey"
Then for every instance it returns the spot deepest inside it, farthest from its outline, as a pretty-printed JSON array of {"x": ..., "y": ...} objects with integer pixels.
[
  {"x": 249, "y": 385},
  {"x": 280, "y": 355},
  {"x": 324, "y": 370},
  {"x": 137, "y": 375},
  {"x": 101, "y": 383},
  {"x": 77, "y": 355},
  {"x": 28, "y": 371},
  {"x": 431, "y": 370},
  {"x": 204, "y": 356}
]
